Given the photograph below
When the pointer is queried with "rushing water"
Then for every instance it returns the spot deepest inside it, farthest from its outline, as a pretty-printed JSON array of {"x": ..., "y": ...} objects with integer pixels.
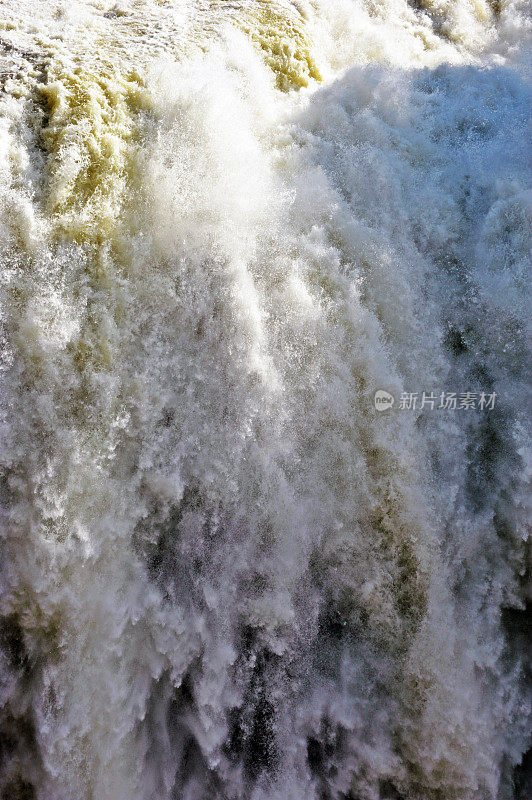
[{"x": 225, "y": 574}]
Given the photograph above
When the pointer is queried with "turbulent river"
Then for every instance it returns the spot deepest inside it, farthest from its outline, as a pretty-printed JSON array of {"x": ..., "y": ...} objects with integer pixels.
[{"x": 264, "y": 275}]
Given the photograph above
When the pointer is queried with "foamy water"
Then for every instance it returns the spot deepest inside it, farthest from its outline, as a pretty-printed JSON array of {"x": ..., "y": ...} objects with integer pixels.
[{"x": 225, "y": 573}]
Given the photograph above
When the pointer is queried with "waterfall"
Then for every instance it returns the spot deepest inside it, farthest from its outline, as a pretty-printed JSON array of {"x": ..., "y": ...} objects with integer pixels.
[{"x": 264, "y": 374}]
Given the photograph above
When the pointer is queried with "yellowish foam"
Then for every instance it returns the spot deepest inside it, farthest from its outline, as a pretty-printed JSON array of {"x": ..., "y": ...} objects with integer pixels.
[
  {"x": 90, "y": 126},
  {"x": 285, "y": 43}
]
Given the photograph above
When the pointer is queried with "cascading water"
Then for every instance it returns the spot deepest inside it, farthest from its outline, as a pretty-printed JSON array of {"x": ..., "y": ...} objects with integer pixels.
[{"x": 226, "y": 572}]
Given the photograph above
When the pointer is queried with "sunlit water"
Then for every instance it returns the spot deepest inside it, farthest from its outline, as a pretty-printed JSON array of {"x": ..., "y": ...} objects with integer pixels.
[{"x": 225, "y": 574}]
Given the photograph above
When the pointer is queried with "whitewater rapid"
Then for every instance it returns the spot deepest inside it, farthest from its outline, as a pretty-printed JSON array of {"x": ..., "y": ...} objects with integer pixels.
[{"x": 225, "y": 573}]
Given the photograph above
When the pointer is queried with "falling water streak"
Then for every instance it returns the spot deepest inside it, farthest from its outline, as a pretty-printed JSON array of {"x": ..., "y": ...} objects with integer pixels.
[{"x": 224, "y": 573}]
